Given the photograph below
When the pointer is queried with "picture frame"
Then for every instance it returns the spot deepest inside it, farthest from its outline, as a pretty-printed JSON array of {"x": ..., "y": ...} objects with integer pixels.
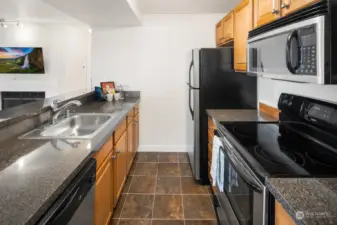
[{"x": 106, "y": 86}]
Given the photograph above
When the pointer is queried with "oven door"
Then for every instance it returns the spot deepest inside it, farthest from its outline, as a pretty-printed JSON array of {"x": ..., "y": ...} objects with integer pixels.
[
  {"x": 243, "y": 196},
  {"x": 292, "y": 53}
]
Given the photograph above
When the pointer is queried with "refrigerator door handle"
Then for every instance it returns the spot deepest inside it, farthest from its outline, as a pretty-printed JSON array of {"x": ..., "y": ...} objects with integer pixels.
[
  {"x": 190, "y": 72},
  {"x": 189, "y": 101}
]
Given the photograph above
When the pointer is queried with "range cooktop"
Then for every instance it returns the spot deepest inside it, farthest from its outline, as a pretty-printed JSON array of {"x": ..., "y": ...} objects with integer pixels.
[{"x": 288, "y": 149}]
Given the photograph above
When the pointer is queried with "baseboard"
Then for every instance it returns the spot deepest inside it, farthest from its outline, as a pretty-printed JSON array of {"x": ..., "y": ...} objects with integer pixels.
[{"x": 163, "y": 148}]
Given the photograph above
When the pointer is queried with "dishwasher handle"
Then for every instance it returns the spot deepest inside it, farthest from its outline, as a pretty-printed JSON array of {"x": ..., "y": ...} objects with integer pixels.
[{"x": 69, "y": 207}]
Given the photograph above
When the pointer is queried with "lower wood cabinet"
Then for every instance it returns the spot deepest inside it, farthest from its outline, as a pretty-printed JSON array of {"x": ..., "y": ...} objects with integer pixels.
[
  {"x": 281, "y": 216},
  {"x": 135, "y": 135},
  {"x": 103, "y": 195},
  {"x": 114, "y": 160},
  {"x": 120, "y": 167},
  {"x": 130, "y": 153}
]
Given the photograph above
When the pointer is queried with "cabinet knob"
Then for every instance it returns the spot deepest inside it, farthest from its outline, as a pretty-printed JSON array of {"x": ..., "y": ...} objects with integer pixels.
[
  {"x": 118, "y": 151},
  {"x": 285, "y": 5},
  {"x": 114, "y": 157},
  {"x": 135, "y": 122},
  {"x": 274, "y": 11}
]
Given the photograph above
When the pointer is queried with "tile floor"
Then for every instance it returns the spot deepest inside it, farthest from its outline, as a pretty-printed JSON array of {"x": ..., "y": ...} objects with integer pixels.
[{"x": 160, "y": 190}]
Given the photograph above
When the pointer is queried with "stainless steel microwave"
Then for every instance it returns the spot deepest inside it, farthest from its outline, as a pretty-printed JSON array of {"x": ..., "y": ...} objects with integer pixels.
[{"x": 294, "y": 52}]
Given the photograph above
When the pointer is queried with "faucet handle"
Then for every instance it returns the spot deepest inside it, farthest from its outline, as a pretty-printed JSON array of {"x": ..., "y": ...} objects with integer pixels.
[{"x": 54, "y": 104}]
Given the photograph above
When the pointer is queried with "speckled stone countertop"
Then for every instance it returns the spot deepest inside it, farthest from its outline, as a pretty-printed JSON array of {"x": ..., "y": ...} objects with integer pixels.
[
  {"x": 240, "y": 115},
  {"x": 33, "y": 173},
  {"x": 308, "y": 201}
]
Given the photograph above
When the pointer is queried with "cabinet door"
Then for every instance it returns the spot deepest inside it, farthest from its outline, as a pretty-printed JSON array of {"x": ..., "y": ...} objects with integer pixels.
[
  {"x": 243, "y": 24},
  {"x": 290, "y": 6},
  {"x": 135, "y": 135},
  {"x": 219, "y": 33},
  {"x": 281, "y": 216},
  {"x": 266, "y": 11},
  {"x": 103, "y": 194},
  {"x": 120, "y": 166},
  {"x": 228, "y": 27},
  {"x": 130, "y": 146}
]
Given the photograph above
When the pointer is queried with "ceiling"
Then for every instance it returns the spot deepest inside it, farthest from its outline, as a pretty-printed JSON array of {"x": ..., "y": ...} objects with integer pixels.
[
  {"x": 35, "y": 11},
  {"x": 186, "y": 6},
  {"x": 99, "y": 12}
]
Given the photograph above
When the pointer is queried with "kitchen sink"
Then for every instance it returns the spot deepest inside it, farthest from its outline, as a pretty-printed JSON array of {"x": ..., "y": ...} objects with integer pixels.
[{"x": 78, "y": 126}]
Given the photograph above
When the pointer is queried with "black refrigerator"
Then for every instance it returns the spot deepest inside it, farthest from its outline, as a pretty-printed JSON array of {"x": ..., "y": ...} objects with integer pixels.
[{"x": 213, "y": 84}]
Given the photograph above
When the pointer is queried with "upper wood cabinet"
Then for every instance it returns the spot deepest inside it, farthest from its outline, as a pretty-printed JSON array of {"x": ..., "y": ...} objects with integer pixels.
[
  {"x": 224, "y": 30},
  {"x": 266, "y": 11},
  {"x": 290, "y": 6},
  {"x": 103, "y": 194},
  {"x": 218, "y": 33},
  {"x": 119, "y": 166},
  {"x": 228, "y": 27},
  {"x": 281, "y": 216},
  {"x": 243, "y": 23}
]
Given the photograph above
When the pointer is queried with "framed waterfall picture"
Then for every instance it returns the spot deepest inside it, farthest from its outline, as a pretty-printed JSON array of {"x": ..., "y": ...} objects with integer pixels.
[{"x": 21, "y": 60}]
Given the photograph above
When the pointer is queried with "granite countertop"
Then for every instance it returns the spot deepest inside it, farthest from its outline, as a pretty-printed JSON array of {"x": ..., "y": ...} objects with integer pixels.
[
  {"x": 308, "y": 201},
  {"x": 33, "y": 173},
  {"x": 240, "y": 115}
]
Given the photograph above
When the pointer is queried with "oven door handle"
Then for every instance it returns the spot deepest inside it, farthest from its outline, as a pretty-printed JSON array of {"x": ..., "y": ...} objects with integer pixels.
[{"x": 244, "y": 173}]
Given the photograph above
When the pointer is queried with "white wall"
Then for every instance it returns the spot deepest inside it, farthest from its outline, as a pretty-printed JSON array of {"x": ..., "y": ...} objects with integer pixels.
[
  {"x": 269, "y": 91},
  {"x": 66, "y": 53},
  {"x": 154, "y": 59}
]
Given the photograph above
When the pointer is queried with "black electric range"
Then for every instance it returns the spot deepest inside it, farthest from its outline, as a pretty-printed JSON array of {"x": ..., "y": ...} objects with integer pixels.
[
  {"x": 303, "y": 143},
  {"x": 288, "y": 149}
]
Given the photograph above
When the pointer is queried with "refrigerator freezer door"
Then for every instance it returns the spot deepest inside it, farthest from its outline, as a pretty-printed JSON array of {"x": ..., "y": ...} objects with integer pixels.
[{"x": 195, "y": 78}]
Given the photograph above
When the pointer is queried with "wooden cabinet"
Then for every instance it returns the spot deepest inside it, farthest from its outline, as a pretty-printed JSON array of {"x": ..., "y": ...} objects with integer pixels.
[
  {"x": 228, "y": 27},
  {"x": 281, "y": 216},
  {"x": 243, "y": 17},
  {"x": 218, "y": 33},
  {"x": 130, "y": 153},
  {"x": 266, "y": 11},
  {"x": 224, "y": 30},
  {"x": 103, "y": 194},
  {"x": 211, "y": 129},
  {"x": 119, "y": 167},
  {"x": 290, "y": 6},
  {"x": 136, "y": 134}
]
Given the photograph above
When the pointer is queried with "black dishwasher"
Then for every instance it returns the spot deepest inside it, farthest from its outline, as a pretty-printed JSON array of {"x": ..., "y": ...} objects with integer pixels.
[{"x": 76, "y": 204}]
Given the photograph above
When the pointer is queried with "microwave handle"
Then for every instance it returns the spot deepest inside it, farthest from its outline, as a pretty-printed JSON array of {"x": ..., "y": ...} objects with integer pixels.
[{"x": 290, "y": 66}]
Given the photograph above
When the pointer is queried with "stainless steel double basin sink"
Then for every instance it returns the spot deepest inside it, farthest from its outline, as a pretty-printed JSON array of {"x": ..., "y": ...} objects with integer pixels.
[{"x": 77, "y": 126}]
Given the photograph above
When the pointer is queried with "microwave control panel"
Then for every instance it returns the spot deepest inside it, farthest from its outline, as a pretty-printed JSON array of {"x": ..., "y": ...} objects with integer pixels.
[{"x": 307, "y": 50}]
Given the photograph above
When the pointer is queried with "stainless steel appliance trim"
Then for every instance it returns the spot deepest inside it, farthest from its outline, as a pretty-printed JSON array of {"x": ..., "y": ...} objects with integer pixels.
[
  {"x": 243, "y": 171},
  {"x": 196, "y": 109},
  {"x": 196, "y": 68},
  {"x": 227, "y": 208},
  {"x": 320, "y": 77}
]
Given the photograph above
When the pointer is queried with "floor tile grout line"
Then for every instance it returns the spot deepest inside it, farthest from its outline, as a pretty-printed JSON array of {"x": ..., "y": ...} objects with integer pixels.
[
  {"x": 181, "y": 192},
  {"x": 119, "y": 219},
  {"x": 155, "y": 189}
]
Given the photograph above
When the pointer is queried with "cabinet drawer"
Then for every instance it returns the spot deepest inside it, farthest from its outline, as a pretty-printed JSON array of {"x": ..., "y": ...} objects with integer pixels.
[
  {"x": 136, "y": 110},
  {"x": 119, "y": 131},
  {"x": 211, "y": 123},
  {"x": 210, "y": 136},
  {"x": 210, "y": 151},
  {"x": 102, "y": 154}
]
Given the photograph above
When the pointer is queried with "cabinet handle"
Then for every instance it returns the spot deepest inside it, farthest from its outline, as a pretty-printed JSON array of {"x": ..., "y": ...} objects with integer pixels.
[
  {"x": 285, "y": 5},
  {"x": 274, "y": 11}
]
